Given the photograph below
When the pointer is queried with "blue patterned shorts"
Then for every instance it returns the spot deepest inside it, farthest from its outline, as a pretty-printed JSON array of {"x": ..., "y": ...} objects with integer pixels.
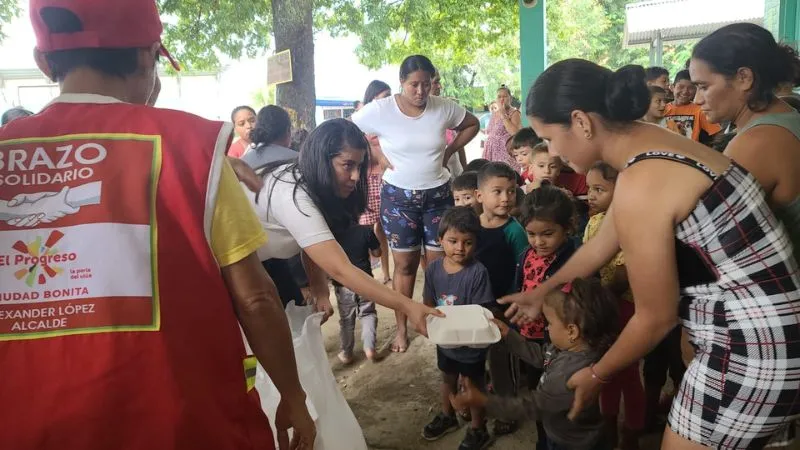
[{"x": 411, "y": 218}]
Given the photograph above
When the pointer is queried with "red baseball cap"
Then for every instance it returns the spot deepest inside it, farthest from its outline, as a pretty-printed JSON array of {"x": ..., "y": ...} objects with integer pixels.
[{"x": 103, "y": 24}]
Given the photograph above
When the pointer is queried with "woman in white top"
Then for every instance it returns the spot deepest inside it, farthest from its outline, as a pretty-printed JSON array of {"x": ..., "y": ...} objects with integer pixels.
[
  {"x": 411, "y": 129},
  {"x": 303, "y": 203}
]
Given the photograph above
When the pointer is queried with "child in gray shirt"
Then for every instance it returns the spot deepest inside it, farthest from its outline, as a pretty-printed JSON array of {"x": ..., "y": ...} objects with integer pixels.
[
  {"x": 582, "y": 325},
  {"x": 458, "y": 279}
]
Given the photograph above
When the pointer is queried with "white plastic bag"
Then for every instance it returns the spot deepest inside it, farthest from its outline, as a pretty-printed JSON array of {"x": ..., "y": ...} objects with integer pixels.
[{"x": 337, "y": 427}]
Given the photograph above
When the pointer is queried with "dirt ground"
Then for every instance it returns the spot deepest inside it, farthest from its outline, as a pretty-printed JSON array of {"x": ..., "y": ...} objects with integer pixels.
[{"x": 395, "y": 397}]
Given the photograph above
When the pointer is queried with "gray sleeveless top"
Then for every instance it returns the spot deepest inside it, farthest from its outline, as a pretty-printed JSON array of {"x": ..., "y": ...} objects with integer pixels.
[{"x": 789, "y": 214}]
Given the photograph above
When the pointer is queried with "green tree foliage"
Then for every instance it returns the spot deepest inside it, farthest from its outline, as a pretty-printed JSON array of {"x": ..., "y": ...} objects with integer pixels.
[
  {"x": 475, "y": 45},
  {"x": 199, "y": 32},
  {"x": 9, "y": 10},
  {"x": 594, "y": 30}
]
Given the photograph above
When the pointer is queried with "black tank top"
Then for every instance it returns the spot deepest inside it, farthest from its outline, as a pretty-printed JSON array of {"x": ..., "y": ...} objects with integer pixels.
[{"x": 693, "y": 268}]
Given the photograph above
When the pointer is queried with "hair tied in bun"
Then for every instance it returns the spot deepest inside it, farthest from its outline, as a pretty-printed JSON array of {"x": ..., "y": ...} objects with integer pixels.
[{"x": 627, "y": 96}]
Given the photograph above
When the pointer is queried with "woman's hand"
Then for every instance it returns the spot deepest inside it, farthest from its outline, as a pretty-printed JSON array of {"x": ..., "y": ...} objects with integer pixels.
[
  {"x": 468, "y": 397},
  {"x": 586, "y": 388},
  {"x": 324, "y": 306},
  {"x": 417, "y": 314},
  {"x": 525, "y": 306}
]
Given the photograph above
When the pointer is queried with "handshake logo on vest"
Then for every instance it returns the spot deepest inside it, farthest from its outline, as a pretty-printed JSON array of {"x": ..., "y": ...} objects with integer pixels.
[{"x": 28, "y": 210}]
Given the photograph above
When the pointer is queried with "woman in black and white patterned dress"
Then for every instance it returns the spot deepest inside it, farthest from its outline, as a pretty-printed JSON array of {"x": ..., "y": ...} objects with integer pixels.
[{"x": 695, "y": 227}]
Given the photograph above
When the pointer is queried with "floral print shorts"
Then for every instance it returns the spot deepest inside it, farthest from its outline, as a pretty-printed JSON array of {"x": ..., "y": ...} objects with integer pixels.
[{"x": 411, "y": 218}]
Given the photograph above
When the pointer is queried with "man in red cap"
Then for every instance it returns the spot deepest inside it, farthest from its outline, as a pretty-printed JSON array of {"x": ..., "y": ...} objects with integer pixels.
[{"x": 127, "y": 259}]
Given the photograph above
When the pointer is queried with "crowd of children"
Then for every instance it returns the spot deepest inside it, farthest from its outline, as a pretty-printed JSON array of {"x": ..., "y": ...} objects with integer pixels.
[
  {"x": 531, "y": 236},
  {"x": 515, "y": 245},
  {"x": 509, "y": 232}
]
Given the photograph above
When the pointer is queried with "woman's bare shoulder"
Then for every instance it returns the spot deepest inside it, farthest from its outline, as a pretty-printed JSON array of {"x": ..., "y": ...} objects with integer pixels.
[
  {"x": 772, "y": 154},
  {"x": 669, "y": 179},
  {"x": 766, "y": 138},
  {"x": 663, "y": 145}
]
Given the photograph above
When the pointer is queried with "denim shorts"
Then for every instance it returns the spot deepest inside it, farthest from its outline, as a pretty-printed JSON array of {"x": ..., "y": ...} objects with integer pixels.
[{"x": 411, "y": 218}]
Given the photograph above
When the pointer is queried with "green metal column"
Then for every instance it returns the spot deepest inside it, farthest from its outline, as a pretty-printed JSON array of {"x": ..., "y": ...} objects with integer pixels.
[
  {"x": 788, "y": 31},
  {"x": 533, "y": 45}
]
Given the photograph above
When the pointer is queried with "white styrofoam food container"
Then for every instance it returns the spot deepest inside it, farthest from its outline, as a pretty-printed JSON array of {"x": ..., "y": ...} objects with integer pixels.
[{"x": 464, "y": 326}]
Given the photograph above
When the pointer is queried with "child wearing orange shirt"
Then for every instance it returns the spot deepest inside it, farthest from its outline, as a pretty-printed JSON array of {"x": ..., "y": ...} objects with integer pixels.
[{"x": 685, "y": 117}]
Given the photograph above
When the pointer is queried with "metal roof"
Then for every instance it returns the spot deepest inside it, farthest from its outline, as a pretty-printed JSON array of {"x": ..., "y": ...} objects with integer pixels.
[{"x": 680, "y": 20}]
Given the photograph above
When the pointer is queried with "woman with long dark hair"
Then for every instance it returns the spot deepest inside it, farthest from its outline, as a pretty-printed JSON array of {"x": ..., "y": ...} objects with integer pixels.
[
  {"x": 376, "y": 90},
  {"x": 695, "y": 227},
  {"x": 271, "y": 138},
  {"x": 416, "y": 192},
  {"x": 304, "y": 203}
]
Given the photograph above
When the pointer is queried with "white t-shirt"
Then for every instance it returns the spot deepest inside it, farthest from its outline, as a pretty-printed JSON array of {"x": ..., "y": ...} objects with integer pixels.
[
  {"x": 290, "y": 227},
  {"x": 414, "y": 145}
]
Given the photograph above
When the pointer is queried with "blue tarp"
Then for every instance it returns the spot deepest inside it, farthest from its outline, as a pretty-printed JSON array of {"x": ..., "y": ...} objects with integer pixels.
[{"x": 335, "y": 103}]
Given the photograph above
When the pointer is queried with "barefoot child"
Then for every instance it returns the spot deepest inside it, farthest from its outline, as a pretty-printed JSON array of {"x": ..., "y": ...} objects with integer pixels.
[
  {"x": 458, "y": 279},
  {"x": 358, "y": 242},
  {"x": 582, "y": 325},
  {"x": 602, "y": 179}
]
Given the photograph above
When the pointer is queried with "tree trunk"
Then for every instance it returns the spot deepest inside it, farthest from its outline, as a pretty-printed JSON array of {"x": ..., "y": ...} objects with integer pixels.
[
  {"x": 292, "y": 24},
  {"x": 472, "y": 79}
]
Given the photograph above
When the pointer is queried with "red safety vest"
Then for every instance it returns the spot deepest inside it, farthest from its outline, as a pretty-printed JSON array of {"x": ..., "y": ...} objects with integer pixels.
[{"x": 116, "y": 329}]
